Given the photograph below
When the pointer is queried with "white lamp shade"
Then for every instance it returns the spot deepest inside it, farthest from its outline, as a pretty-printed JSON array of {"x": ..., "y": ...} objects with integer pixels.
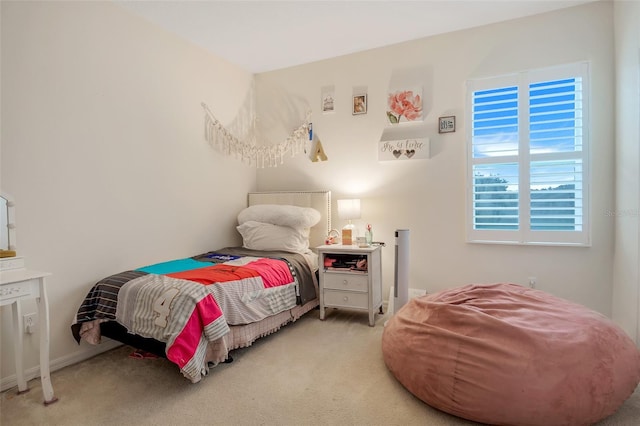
[{"x": 349, "y": 209}]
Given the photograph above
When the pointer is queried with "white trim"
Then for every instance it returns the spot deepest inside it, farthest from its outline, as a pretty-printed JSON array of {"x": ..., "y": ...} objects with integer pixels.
[
  {"x": 524, "y": 158},
  {"x": 638, "y": 236},
  {"x": 59, "y": 363}
]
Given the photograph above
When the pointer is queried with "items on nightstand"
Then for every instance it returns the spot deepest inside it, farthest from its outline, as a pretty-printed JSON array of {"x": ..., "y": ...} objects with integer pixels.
[
  {"x": 348, "y": 209},
  {"x": 368, "y": 235},
  {"x": 367, "y": 240},
  {"x": 361, "y": 265},
  {"x": 333, "y": 237}
]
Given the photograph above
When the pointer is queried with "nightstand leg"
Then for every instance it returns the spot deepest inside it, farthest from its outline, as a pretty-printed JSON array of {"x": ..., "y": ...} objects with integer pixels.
[{"x": 372, "y": 317}]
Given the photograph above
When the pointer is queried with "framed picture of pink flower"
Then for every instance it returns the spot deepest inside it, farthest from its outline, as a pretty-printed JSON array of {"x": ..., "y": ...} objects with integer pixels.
[{"x": 404, "y": 106}]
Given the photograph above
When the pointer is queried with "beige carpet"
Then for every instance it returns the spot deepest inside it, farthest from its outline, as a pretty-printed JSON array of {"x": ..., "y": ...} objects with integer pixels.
[{"x": 311, "y": 372}]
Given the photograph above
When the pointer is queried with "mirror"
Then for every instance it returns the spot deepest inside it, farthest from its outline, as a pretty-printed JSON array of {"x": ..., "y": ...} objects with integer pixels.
[
  {"x": 7, "y": 226},
  {"x": 4, "y": 224}
]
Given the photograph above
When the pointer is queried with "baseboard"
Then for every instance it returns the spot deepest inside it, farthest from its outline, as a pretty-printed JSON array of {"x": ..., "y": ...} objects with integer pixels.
[{"x": 59, "y": 363}]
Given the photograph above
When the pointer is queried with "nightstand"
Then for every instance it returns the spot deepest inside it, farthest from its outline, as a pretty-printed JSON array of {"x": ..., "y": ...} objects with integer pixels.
[{"x": 344, "y": 286}]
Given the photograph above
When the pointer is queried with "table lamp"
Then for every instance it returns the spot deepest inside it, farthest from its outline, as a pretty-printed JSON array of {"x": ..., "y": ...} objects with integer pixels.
[{"x": 348, "y": 209}]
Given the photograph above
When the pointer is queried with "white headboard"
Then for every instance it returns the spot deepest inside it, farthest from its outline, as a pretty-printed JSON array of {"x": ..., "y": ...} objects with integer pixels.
[{"x": 319, "y": 200}]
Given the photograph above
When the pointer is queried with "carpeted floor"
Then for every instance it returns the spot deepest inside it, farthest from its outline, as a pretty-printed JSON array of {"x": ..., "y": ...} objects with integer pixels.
[{"x": 311, "y": 372}]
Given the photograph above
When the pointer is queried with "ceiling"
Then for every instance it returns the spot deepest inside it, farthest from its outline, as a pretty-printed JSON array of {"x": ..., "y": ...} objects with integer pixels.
[{"x": 262, "y": 36}]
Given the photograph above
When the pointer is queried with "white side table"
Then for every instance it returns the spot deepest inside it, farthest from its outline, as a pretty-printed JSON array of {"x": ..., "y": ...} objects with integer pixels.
[
  {"x": 345, "y": 288},
  {"x": 17, "y": 285}
]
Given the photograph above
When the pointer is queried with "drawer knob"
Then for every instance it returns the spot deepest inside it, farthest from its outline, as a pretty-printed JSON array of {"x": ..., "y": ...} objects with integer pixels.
[
  {"x": 345, "y": 282},
  {"x": 346, "y": 298}
]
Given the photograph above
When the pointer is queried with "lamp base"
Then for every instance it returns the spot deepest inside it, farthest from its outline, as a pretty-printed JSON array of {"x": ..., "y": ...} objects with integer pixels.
[{"x": 347, "y": 235}]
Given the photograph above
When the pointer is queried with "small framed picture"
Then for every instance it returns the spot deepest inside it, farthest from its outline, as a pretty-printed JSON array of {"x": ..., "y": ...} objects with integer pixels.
[
  {"x": 359, "y": 104},
  {"x": 447, "y": 124},
  {"x": 328, "y": 99}
]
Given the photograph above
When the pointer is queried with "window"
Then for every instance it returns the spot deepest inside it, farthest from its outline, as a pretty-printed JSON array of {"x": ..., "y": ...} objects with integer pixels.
[{"x": 528, "y": 168}]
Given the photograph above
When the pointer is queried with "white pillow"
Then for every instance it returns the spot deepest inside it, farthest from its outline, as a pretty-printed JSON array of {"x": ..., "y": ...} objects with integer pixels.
[
  {"x": 283, "y": 215},
  {"x": 267, "y": 236}
]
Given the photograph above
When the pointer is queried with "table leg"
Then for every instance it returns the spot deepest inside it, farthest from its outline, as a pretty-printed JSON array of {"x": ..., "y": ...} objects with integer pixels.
[
  {"x": 18, "y": 329},
  {"x": 43, "y": 309}
]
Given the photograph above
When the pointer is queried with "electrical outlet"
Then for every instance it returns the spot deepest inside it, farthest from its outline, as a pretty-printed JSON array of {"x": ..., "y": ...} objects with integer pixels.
[
  {"x": 30, "y": 322},
  {"x": 532, "y": 282}
]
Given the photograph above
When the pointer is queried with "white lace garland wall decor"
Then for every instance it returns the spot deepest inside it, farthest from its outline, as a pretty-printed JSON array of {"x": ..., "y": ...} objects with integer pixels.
[{"x": 260, "y": 156}]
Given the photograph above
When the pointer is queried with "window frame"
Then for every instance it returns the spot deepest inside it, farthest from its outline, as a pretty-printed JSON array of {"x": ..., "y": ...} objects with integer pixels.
[{"x": 524, "y": 235}]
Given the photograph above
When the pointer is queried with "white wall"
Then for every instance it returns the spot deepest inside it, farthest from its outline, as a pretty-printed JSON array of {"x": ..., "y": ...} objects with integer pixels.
[
  {"x": 428, "y": 196},
  {"x": 626, "y": 289},
  {"x": 103, "y": 151}
]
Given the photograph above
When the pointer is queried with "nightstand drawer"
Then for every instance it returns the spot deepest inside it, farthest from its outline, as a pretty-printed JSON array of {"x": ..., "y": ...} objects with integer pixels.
[
  {"x": 346, "y": 299},
  {"x": 346, "y": 281}
]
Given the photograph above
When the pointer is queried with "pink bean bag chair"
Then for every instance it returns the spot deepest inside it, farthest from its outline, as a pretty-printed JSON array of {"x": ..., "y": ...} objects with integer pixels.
[{"x": 504, "y": 354}]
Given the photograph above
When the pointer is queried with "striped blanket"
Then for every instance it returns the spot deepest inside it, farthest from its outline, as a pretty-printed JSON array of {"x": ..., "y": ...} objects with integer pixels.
[{"x": 188, "y": 303}]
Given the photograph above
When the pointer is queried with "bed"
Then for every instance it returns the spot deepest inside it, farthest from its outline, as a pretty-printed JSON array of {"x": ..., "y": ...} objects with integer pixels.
[{"x": 194, "y": 311}]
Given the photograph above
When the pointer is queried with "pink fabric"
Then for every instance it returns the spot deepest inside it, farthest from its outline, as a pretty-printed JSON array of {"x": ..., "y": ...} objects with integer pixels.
[
  {"x": 184, "y": 349},
  {"x": 273, "y": 272},
  {"x": 508, "y": 355}
]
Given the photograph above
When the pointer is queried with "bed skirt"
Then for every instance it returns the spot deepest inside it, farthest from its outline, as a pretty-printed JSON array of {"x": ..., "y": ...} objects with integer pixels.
[{"x": 239, "y": 336}]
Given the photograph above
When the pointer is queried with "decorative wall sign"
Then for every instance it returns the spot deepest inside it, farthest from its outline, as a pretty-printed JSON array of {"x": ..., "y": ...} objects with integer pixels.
[
  {"x": 403, "y": 149},
  {"x": 359, "y": 104},
  {"x": 447, "y": 124},
  {"x": 318, "y": 153},
  {"x": 404, "y": 106}
]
